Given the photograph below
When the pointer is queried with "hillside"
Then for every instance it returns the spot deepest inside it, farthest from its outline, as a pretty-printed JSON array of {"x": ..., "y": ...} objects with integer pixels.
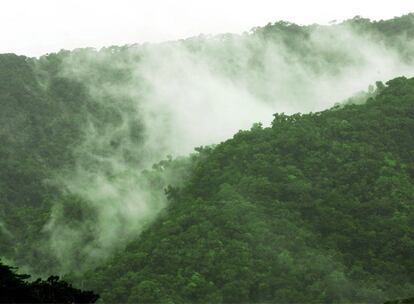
[
  {"x": 316, "y": 208},
  {"x": 99, "y": 183}
]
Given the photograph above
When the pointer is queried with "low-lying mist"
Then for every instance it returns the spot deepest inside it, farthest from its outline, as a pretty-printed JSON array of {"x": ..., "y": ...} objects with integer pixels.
[{"x": 153, "y": 100}]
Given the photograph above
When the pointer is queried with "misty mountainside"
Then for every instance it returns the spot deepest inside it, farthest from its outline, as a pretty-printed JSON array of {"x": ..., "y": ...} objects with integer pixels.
[
  {"x": 100, "y": 182},
  {"x": 317, "y": 208}
]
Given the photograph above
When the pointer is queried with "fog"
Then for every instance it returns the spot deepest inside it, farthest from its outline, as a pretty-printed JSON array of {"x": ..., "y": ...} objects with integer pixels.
[
  {"x": 33, "y": 28},
  {"x": 165, "y": 99}
]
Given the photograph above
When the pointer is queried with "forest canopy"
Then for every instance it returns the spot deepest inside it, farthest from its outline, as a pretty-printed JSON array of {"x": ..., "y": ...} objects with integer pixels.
[{"x": 100, "y": 182}]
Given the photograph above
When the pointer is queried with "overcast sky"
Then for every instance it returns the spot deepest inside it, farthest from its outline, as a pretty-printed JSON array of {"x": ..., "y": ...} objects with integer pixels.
[{"x": 34, "y": 28}]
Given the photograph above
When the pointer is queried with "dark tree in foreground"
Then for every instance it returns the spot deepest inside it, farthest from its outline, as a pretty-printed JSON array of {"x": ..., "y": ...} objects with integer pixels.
[
  {"x": 401, "y": 301},
  {"x": 14, "y": 288}
]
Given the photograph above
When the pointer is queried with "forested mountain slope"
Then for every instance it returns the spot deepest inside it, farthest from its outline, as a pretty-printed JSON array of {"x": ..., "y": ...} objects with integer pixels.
[{"x": 316, "y": 208}]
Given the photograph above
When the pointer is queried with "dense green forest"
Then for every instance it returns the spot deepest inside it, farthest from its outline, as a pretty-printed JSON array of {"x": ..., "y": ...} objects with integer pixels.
[{"x": 314, "y": 207}]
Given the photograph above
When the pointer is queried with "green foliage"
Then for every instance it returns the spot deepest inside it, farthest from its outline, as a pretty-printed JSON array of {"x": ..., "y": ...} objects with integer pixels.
[{"x": 316, "y": 208}]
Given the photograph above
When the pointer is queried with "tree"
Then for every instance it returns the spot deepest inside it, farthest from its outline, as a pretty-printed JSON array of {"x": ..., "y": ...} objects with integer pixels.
[{"x": 15, "y": 288}]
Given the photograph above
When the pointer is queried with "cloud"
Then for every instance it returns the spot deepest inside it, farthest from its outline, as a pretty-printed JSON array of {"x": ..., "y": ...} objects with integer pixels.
[{"x": 149, "y": 101}]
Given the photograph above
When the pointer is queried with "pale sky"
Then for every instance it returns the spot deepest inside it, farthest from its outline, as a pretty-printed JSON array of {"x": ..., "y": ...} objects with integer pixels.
[{"x": 34, "y": 28}]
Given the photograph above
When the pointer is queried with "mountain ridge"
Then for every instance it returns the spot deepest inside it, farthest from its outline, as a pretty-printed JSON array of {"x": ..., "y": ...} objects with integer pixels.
[{"x": 314, "y": 208}]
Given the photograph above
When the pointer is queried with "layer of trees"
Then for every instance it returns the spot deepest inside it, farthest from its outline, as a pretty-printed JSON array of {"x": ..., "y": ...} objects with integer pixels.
[
  {"x": 316, "y": 208},
  {"x": 15, "y": 288}
]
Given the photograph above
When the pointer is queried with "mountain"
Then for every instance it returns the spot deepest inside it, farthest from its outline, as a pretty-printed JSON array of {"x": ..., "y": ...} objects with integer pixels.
[
  {"x": 317, "y": 208},
  {"x": 96, "y": 186}
]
